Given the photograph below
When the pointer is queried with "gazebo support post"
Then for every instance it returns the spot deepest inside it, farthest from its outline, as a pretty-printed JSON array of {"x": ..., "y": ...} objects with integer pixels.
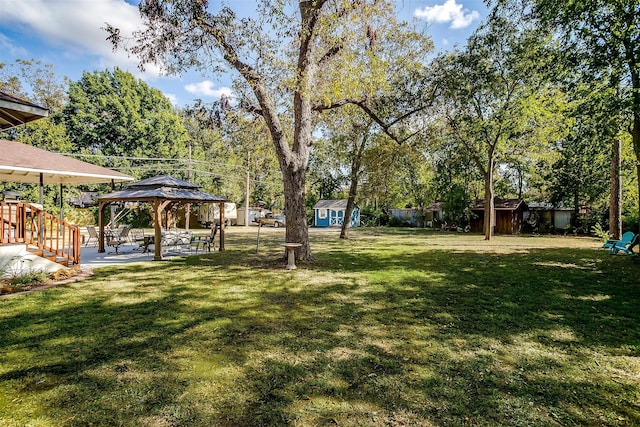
[
  {"x": 221, "y": 248},
  {"x": 158, "y": 207},
  {"x": 157, "y": 240},
  {"x": 61, "y": 202},
  {"x": 101, "y": 206},
  {"x": 41, "y": 201}
]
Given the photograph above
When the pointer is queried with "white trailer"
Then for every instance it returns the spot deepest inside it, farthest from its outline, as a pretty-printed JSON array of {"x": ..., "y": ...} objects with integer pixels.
[{"x": 209, "y": 213}]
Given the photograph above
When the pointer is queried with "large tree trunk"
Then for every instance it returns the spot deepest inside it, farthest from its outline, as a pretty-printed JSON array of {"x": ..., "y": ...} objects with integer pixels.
[
  {"x": 356, "y": 164},
  {"x": 489, "y": 210},
  {"x": 635, "y": 132},
  {"x": 615, "y": 200},
  {"x": 295, "y": 209}
]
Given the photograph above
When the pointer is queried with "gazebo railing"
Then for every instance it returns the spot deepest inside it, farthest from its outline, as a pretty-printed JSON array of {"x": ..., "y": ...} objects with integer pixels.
[{"x": 25, "y": 223}]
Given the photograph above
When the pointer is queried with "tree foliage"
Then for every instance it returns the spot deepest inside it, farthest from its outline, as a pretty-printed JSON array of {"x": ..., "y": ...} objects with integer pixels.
[
  {"x": 290, "y": 61},
  {"x": 493, "y": 97},
  {"x": 111, "y": 113},
  {"x": 36, "y": 82},
  {"x": 603, "y": 38}
]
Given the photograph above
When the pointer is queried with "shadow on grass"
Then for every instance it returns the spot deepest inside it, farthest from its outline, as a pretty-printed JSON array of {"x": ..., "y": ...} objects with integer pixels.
[{"x": 429, "y": 337}]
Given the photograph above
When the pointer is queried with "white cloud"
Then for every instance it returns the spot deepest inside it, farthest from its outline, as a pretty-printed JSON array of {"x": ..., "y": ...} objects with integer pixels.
[
  {"x": 7, "y": 45},
  {"x": 76, "y": 26},
  {"x": 449, "y": 11},
  {"x": 205, "y": 88},
  {"x": 172, "y": 98}
]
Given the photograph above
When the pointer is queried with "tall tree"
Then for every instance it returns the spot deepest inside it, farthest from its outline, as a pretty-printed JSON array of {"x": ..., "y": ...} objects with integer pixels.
[
  {"x": 37, "y": 82},
  {"x": 577, "y": 176},
  {"x": 493, "y": 97},
  {"x": 291, "y": 59},
  {"x": 603, "y": 38},
  {"x": 350, "y": 136},
  {"x": 111, "y": 113}
]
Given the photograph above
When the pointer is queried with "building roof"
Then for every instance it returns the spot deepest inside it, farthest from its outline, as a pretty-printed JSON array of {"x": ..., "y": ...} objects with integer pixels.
[
  {"x": 15, "y": 111},
  {"x": 547, "y": 206},
  {"x": 24, "y": 163},
  {"x": 434, "y": 207},
  {"x": 501, "y": 204},
  {"x": 331, "y": 204}
]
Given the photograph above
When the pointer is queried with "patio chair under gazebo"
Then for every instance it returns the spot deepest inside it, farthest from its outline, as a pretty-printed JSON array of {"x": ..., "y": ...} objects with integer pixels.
[{"x": 161, "y": 192}]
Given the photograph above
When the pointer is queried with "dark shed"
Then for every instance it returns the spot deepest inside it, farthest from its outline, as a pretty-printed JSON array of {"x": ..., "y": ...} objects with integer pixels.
[{"x": 509, "y": 215}]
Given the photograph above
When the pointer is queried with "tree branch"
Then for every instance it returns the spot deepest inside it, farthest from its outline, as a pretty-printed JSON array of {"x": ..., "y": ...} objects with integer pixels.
[
  {"x": 329, "y": 54},
  {"x": 267, "y": 110},
  {"x": 386, "y": 127}
]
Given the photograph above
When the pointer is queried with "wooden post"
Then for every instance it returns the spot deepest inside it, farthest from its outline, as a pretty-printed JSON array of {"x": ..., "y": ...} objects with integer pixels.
[
  {"x": 101, "y": 227},
  {"x": 187, "y": 215},
  {"x": 157, "y": 240},
  {"x": 221, "y": 248},
  {"x": 40, "y": 219},
  {"x": 61, "y": 202}
]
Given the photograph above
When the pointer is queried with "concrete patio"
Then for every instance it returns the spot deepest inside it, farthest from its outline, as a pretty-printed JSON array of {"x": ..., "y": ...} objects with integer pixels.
[{"x": 127, "y": 254}]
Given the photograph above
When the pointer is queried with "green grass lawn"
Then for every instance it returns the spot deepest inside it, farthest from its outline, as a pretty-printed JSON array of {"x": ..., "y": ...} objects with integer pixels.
[{"x": 393, "y": 327}]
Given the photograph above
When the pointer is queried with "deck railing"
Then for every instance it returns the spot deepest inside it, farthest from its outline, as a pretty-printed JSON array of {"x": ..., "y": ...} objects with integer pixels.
[{"x": 29, "y": 224}]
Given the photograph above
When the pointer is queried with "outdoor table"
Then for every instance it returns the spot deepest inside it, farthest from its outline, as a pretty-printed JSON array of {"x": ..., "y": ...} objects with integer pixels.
[
  {"x": 146, "y": 242},
  {"x": 291, "y": 254}
]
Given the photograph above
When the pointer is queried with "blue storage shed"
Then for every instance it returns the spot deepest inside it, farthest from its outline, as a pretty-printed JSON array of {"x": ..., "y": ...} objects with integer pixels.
[{"x": 330, "y": 213}]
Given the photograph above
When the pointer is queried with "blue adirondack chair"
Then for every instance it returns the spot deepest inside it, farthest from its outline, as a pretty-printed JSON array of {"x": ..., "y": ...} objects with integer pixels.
[
  {"x": 625, "y": 239},
  {"x": 625, "y": 248}
]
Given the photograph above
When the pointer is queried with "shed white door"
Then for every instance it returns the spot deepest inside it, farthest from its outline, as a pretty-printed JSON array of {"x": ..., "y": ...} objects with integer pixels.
[{"x": 336, "y": 217}]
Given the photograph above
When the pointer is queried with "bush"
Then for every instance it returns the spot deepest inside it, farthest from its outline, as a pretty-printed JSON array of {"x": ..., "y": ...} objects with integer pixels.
[
  {"x": 395, "y": 222},
  {"x": 600, "y": 232},
  {"x": 631, "y": 222},
  {"x": 374, "y": 217},
  {"x": 31, "y": 278}
]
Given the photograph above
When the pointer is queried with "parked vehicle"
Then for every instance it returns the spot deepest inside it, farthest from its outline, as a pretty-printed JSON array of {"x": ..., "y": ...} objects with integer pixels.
[{"x": 275, "y": 220}]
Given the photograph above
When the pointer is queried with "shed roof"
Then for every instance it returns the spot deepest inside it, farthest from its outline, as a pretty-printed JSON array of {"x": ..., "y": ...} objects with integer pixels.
[
  {"x": 434, "y": 207},
  {"x": 547, "y": 206},
  {"x": 502, "y": 204},
  {"x": 15, "y": 111},
  {"x": 331, "y": 204},
  {"x": 24, "y": 163}
]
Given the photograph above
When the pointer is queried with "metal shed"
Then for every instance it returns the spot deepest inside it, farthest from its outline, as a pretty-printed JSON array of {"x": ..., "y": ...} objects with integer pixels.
[{"x": 330, "y": 213}]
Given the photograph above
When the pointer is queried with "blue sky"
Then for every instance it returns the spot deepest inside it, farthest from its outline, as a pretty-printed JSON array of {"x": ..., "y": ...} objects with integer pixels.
[{"x": 67, "y": 34}]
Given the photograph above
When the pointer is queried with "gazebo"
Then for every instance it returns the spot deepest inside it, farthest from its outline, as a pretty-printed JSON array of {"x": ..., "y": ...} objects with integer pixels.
[{"x": 161, "y": 192}]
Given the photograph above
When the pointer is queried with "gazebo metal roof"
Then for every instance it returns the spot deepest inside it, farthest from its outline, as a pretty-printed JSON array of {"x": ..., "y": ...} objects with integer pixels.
[
  {"x": 162, "y": 187},
  {"x": 15, "y": 111}
]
